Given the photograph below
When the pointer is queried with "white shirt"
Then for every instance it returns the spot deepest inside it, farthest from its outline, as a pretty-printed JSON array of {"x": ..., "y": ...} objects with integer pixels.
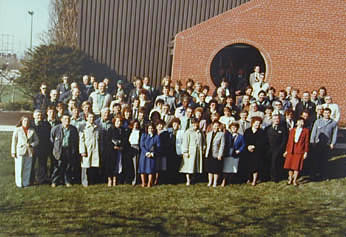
[
  {"x": 134, "y": 137},
  {"x": 297, "y": 134}
]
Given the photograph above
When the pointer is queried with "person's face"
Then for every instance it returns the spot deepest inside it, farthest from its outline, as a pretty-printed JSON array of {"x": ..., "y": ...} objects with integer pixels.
[
  {"x": 328, "y": 100},
  {"x": 201, "y": 97},
  {"x": 86, "y": 108},
  {"x": 136, "y": 125},
  {"x": 198, "y": 87},
  {"x": 165, "y": 91},
  {"x": 165, "y": 109},
  {"x": 319, "y": 110},
  {"x": 205, "y": 91},
  {"x": 305, "y": 115},
  {"x": 51, "y": 114},
  {"x": 85, "y": 80},
  {"x": 246, "y": 99},
  {"x": 92, "y": 79},
  {"x": 117, "y": 123},
  {"x": 138, "y": 84},
  {"x": 213, "y": 106},
  {"x": 195, "y": 126},
  {"x": 322, "y": 92},
  {"x": 276, "y": 120},
  {"x": 43, "y": 89},
  {"x": 198, "y": 114},
  {"x": 116, "y": 109},
  {"x": 278, "y": 106},
  {"x": 256, "y": 124},
  {"x": 288, "y": 90},
  {"x": 105, "y": 114},
  {"x": 159, "y": 127},
  {"x": 243, "y": 116},
  {"x": 175, "y": 126},
  {"x": 140, "y": 115},
  {"x": 65, "y": 121},
  {"x": 106, "y": 81},
  {"x": 146, "y": 80},
  {"x": 102, "y": 87},
  {"x": 75, "y": 92},
  {"x": 314, "y": 95},
  {"x": 185, "y": 103},
  {"x": 91, "y": 118},
  {"x": 75, "y": 113},
  {"x": 177, "y": 86},
  {"x": 214, "y": 117},
  {"x": 53, "y": 94},
  {"x": 216, "y": 127},
  {"x": 38, "y": 116},
  {"x": 135, "y": 103},
  {"x": 150, "y": 129},
  {"x": 254, "y": 107},
  {"x": 268, "y": 112},
  {"x": 289, "y": 116},
  {"x": 306, "y": 97},
  {"x": 229, "y": 100},
  {"x": 261, "y": 96},
  {"x": 127, "y": 114},
  {"x": 227, "y": 113},
  {"x": 294, "y": 93},
  {"x": 142, "y": 96},
  {"x": 300, "y": 123},
  {"x": 189, "y": 113},
  {"x": 25, "y": 122},
  {"x": 281, "y": 95},
  {"x": 326, "y": 114},
  {"x": 95, "y": 85},
  {"x": 71, "y": 103},
  {"x": 257, "y": 69},
  {"x": 234, "y": 129}
]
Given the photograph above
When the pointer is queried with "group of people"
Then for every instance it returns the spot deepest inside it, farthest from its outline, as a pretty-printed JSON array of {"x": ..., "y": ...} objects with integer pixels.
[{"x": 99, "y": 132}]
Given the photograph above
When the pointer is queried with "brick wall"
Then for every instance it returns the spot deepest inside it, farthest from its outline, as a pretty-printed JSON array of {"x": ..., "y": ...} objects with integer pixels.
[{"x": 303, "y": 44}]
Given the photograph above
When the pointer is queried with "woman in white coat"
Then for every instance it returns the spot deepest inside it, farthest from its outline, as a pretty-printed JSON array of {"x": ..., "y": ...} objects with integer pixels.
[
  {"x": 192, "y": 148},
  {"x": 89, "y": 150},
  {"x": 23, "y": 140}
]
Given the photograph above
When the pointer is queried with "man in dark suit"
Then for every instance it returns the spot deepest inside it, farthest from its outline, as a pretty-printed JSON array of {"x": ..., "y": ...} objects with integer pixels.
[
  {"x": 134, "y": 93},
  {"x": 305, "y": 104},
  {"x": 42, "y": 150},
  {"x": 277, "y": 138},
  {"x": 65, "y": 147},
  {"x": 64, "y": 86},
  {"x": 41, "y": 99}
]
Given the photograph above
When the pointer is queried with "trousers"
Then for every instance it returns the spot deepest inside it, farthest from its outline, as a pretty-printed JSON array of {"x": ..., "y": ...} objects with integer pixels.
[{"x": 22, "y": 166}]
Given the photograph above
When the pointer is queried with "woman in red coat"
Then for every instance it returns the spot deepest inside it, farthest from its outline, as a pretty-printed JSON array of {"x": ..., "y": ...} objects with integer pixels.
[{"x": 296, "y": 151}]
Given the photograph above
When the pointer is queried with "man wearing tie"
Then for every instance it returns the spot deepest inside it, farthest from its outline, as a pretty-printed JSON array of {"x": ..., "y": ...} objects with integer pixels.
[
  {"x": 167, "y": 99},
  {"x": 305, "y": 104},
  {"x": 277, "y": 138},
  {"x": 243, "y": 123},
  {"x": 214, "y": 153}
]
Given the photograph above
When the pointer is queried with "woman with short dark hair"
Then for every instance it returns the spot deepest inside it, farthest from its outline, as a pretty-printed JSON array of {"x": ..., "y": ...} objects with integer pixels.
[{"x": 149, "y": 145}]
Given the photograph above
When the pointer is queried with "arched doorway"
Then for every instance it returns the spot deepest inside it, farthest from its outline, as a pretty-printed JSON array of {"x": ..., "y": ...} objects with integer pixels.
[{"x": 235, "y": 60}]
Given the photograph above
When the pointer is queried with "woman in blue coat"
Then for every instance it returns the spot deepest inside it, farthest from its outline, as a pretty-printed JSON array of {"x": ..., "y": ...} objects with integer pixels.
[
  {"x": 149, "y": 148},
  {"x": 234, "y": 145}
]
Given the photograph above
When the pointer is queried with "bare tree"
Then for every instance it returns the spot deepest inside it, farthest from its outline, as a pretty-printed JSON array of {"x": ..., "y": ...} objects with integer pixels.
[{"x": 63, "y": 23}]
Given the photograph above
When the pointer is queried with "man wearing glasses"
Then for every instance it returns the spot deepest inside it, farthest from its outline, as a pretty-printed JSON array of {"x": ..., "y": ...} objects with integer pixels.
[{"x": 41, "y": 99}]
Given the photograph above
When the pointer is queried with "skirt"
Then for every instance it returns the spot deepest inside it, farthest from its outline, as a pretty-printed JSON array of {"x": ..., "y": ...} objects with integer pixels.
[
  {"x": 213, "y": 166},
  {"x": 230, "y": 165},
  {"x": 294, "y": 162}
]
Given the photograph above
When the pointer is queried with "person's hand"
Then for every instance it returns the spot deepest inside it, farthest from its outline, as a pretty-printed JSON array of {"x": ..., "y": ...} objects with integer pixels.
[
  {"x": 237, "y": 92},
  {"x": 13, "y": 155},
  {"x": 186, "y": 155},
  {"x": 305, "y": 155},
  {"x": 237, "y": 152},
  {"x": 147, "y": 154},
  {"x": 251, "y": 148},
  {"x": 285, "y": 154},
  {"x": 116, "y": 148},
  {"x": 151, "y": 154},
  {"x": 331, "y": 146},
  {"x": 84, "y": 154},
  {"x": 219, "y": 158}
]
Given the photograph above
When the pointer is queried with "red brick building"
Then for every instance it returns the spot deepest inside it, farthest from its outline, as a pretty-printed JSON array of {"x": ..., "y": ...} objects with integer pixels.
[{"x": 303, "y": 44}]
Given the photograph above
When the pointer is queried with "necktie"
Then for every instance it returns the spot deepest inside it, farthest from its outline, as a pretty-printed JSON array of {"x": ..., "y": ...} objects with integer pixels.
[{"x": 188, "y": 124}]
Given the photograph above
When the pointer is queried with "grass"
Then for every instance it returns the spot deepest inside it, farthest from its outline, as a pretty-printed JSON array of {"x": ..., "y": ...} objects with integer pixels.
[{"x": 312, "y": 209}]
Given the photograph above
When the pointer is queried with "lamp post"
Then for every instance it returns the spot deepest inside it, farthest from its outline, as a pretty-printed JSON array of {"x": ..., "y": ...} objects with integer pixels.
[{"x": 31, "y": 13}]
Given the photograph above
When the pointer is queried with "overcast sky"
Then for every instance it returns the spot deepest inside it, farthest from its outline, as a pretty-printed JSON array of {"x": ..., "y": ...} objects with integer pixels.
[{"x": 15, "y": 21}]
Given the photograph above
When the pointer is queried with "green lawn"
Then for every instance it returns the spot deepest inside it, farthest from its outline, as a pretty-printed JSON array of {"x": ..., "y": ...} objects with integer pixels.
[
  {"x": 18, "y": 95},
  {"x": 312, "y": 209}
]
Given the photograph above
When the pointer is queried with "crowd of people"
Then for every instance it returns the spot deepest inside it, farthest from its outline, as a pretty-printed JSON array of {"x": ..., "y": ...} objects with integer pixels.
[{"x": 99, "y": 132}]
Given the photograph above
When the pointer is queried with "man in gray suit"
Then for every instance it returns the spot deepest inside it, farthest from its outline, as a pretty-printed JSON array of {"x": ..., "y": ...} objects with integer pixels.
[
  {"x": 65, "y": 148},
  {"x": 214, "y": 153},
  {"x": 170, "y": 100},
  {"x": 323, "y": 140}
]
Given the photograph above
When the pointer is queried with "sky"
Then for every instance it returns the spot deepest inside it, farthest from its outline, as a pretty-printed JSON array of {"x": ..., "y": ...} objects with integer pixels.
[{"x": 15, "y": 21}]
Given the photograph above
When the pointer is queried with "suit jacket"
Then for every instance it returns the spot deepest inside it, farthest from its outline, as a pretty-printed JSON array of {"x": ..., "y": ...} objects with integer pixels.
[
  {"x": 167, "y": 119},
  {"x": 94, "y": 99},
  {"x": 324, "y": 132},
  {"x": 277, "y": 139},
  {"x": 218, "y": 145},
  {"x": 233, "y": 144},
  {"x": 303, "y": 142},
  {"x": 311, "y": 107},
  {"x": 62, "y": 89},
  {"x": 23, "y": 144},
  {"x": 43, "y": 132},
  {"x": 41, "y": 102},
  {"x": 56, "y": 137},
  {"x": 243, "y": 127}
]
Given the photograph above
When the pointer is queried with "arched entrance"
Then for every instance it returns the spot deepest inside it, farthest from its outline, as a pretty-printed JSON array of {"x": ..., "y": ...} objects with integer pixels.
[{"x": 235, "y": 60}]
